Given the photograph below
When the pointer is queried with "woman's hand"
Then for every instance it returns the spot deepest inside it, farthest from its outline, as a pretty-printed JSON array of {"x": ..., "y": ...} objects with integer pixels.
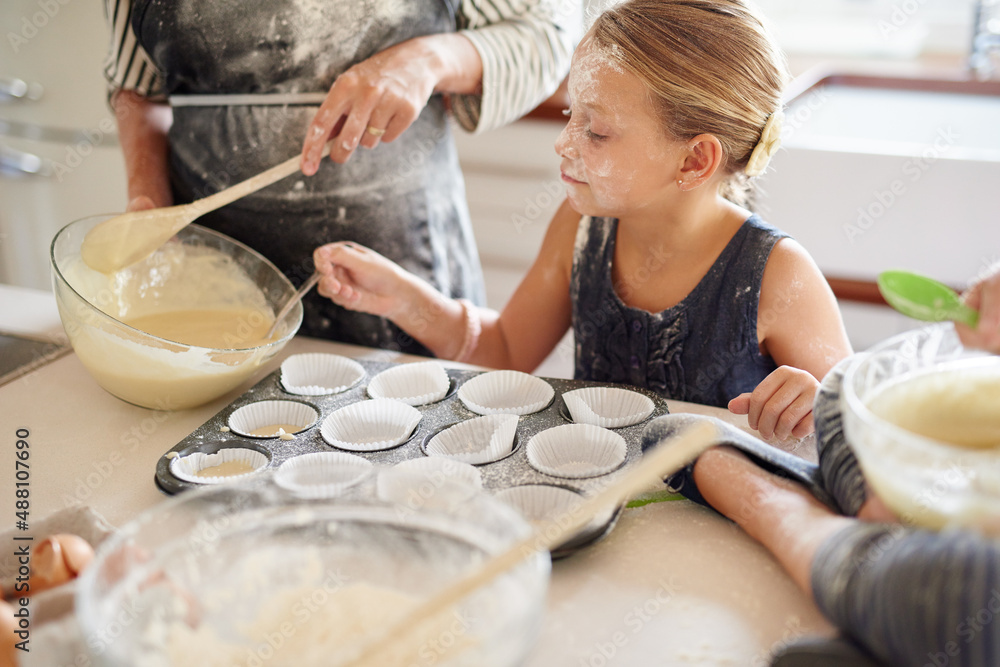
[
  {"x": 984, "y": 296},
  {"x": 359, "y": 278},
  {"x": 781, "y": 405},
  {"x": 378, "y": 98},
  {"x": 140, "y": 203}
]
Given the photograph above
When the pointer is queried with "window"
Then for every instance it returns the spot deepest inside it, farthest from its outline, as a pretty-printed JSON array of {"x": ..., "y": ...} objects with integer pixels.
[{"x": 871, "y": 28}]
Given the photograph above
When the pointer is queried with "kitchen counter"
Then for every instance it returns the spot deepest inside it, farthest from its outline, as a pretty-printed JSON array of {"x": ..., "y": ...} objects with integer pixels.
[{"x": 674, "y": 583}]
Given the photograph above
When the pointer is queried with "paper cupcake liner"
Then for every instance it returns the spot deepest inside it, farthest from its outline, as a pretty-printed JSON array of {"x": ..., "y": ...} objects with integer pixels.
[
  {"x": 575, "y": 451},
  {"x": 370, "y": 426},
  {"x": 413, "y": 384},
  {"x": 428, "y": 482},
  {"x": 319, "y": 374},
  {"x": 322, "y": 474},
  {"x": 505, "y": 392},
  {"x": 188, "y": 467},
  {"x": 609, "y": 407},
  {"x": 476, "y": 441},
  {"x": 541, "y": 504},
  {"x": 263, "y": 414}
]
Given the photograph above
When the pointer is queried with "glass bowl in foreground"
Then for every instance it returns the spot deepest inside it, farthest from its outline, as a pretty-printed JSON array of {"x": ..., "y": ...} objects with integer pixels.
[
  {"x": 923, "y": 415},
  {"x": 250, "y": 573},
  {"x": 221, "y": 294}
]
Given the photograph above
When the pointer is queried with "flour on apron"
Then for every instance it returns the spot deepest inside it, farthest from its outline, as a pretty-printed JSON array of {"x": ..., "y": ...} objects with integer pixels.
[{"x": 405, "y": 199}]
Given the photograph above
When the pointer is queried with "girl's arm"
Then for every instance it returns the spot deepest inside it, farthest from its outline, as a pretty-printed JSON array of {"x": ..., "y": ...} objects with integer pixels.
[
  {"x": 799, "y": 326},
  {"x": 518, "y": 338}
]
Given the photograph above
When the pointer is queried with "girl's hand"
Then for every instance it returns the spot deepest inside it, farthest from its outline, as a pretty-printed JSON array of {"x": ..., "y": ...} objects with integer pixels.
[
  {"x": 984, "y": 296},
  {"x": 781, "y": 405},
  {"x": 360, "y": 279}
]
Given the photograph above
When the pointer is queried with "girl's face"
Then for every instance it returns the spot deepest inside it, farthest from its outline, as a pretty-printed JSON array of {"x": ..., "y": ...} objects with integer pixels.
[{"x": 617, "y": 157}]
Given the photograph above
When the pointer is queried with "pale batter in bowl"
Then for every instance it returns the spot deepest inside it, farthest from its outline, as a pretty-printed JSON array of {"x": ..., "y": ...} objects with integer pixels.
[{"x": 178, "y": 329}]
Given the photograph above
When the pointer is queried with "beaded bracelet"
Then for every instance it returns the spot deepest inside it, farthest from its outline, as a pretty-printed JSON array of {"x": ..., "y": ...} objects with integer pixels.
[{"x": 473, "y": 327}]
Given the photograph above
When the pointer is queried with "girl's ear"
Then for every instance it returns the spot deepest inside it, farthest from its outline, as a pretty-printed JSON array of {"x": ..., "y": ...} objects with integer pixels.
[{"x": 704, "y": 158}]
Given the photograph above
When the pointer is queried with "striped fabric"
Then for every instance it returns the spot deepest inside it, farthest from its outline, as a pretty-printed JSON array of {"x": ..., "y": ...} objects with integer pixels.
[
  {"x": 127, "y": 66},
  {"x": 842, "y": 475},
  {"x": 525, "y": 46},
  {"x": 913, "y": 597}
]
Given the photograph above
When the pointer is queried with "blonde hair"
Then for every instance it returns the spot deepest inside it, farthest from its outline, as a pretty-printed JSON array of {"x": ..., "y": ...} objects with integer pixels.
[{"x": 711, "y": 67}]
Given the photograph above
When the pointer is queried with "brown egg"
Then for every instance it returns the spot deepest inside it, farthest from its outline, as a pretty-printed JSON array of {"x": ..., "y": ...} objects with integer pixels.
[
  {"x": 8, "y": 624},
  {"x": 57, "y": 559}
]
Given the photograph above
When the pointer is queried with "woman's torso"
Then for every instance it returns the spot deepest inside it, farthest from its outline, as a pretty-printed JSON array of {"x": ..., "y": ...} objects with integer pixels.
[{"x": 405, "y": 199}]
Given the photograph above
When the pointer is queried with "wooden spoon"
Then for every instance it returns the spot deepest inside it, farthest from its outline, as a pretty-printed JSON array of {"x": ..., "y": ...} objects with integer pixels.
[
  {"x": 294, "y": 299},
  {"x": 665, "y": 459},
  {"x": 127, "y": 238}
]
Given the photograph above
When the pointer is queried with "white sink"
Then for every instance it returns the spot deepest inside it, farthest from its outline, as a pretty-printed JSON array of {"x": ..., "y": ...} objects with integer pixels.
[{"x": 879, "y": 173}]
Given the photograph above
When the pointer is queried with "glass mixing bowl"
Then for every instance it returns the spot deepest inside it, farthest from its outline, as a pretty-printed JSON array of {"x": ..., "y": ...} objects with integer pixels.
[
  {"x": 928, "y": 481},
  {"x": 249, "y": 573},
  {"x": 200, "y": 270}
]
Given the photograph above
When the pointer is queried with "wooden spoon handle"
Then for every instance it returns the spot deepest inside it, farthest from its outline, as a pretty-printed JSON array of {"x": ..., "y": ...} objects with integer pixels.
[
  {"x": 252, "y": 184},
  {"x": 292, "y": 300}
]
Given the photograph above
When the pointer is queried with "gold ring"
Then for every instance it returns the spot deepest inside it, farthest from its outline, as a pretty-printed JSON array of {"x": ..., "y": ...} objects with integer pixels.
[{"x": 374, "y": 131}]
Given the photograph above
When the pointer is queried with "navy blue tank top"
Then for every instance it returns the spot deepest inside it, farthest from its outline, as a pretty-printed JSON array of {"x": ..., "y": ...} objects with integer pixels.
[{"x": 703, "y": 350}]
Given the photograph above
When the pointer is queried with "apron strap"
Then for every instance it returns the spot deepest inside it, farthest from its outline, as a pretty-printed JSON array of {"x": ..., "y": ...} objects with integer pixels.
[{"x": 267, "y": 99}]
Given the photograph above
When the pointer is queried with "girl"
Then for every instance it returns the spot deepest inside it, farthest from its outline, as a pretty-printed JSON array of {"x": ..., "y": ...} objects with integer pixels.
[{"x": 667, "y": 284}]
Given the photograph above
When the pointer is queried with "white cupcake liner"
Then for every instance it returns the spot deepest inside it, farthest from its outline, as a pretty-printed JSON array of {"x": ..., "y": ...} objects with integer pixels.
[
  {"x": 319, "y": 374},
  {"x": 413, "y": 384},
  {"x": 575, "y": 451},
  {"x": 322, "y": 474},
  {"x": 541, "y": 504},
  {"x": 505, "y": 392},
  {"x": 476, "y": 441},
  {"x": 432, "y": 481},
  {"x": 609, "y": 407},
  {"x": 188, "y": 467},
  {"x": 254, "y": 416},
  {"x": 370, "y": 426}
]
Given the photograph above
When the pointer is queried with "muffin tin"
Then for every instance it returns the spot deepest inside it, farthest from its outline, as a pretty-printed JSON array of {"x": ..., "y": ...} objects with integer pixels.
[{"x": 511, "y": 469}]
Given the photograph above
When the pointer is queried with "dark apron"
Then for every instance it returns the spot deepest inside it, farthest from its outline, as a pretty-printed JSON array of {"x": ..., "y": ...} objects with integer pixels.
[{"x": 405, "y": 199}]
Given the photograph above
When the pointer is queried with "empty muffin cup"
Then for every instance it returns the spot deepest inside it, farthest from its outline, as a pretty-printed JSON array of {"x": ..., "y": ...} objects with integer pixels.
[
  {"x": 428, "y": 482},
  {"x": 222, "y": 466},
  {"x": 505, "y": 392},
  {"x": 413, "y": 384},
  {"x": 322, "y": 474},
  {"x": 370, "y": 426},
  {"x": 319, "y": 374},
  {"x": 543, "y": 504},
  {"x": 576, "y": 451},
  {"x": 476, "y": 441},
  {"x": 272, "y": 419},
  {"x": 609, "y": 407}
]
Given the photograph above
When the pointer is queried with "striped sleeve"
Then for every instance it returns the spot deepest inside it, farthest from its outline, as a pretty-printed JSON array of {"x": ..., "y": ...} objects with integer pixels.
[
  {"x": 525, "y": 46},
  {"x": 128, "y": 66}
]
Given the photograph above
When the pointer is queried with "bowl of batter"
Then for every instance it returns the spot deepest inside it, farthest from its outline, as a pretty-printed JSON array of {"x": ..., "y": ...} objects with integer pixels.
[
  {"x": 922, "y": 414},
  {"x": 255, "y": 574},
  {"x": 178, "y": 329}
]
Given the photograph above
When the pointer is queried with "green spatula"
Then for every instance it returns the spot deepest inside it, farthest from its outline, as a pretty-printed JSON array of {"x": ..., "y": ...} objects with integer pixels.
[{"x": 924, "y": 298}]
